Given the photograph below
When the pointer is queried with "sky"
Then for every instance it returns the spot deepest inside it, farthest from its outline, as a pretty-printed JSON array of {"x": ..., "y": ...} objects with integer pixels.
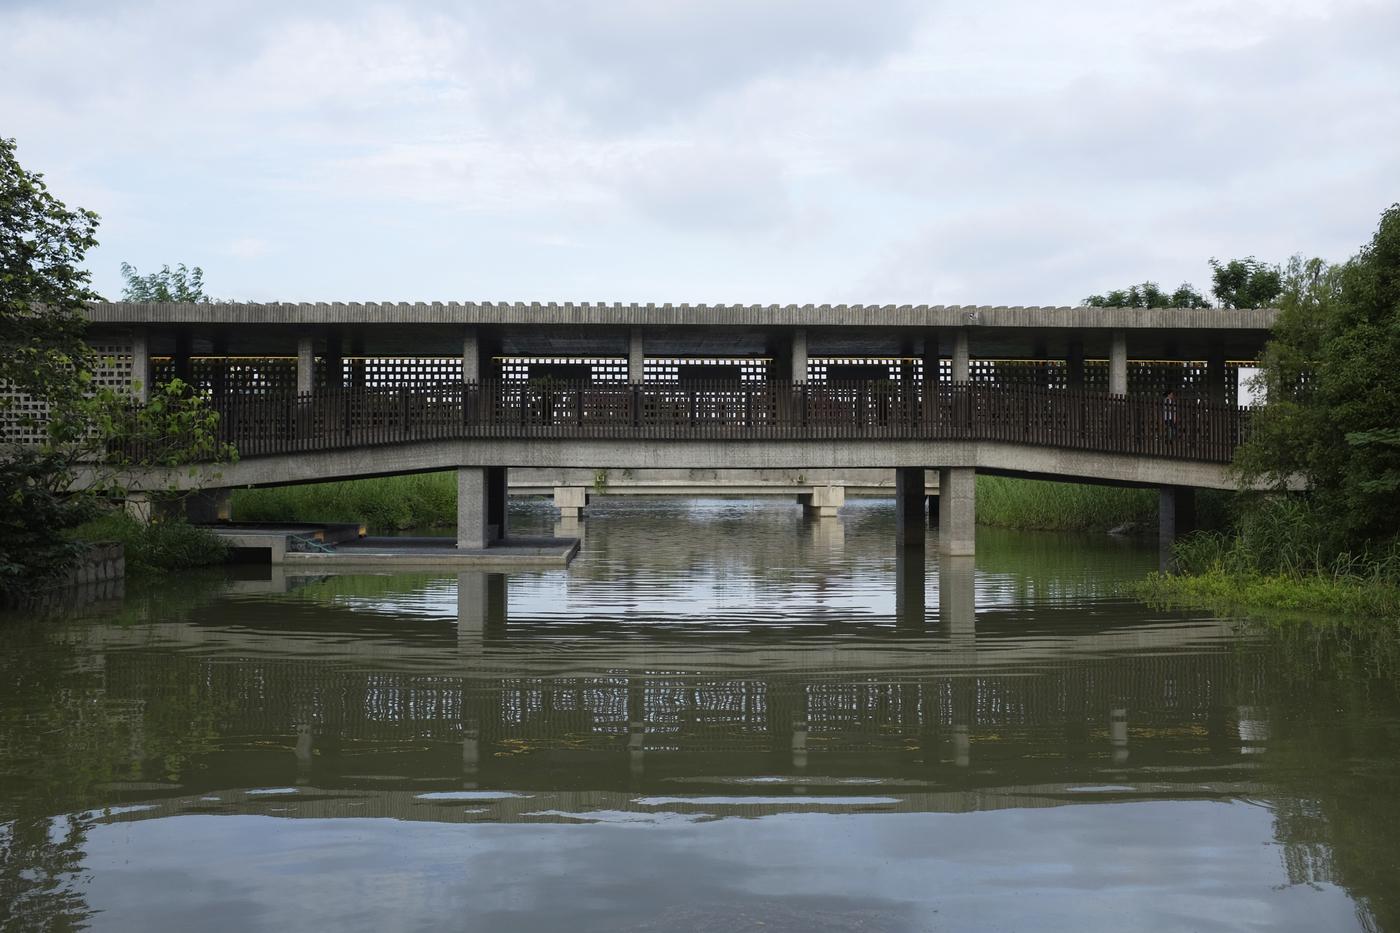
[{"x": 787, "y": 151}]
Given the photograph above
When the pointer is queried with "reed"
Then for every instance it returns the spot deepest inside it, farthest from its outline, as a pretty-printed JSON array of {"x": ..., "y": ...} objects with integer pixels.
[
  {"x": 1004, "y": 502},
  {"x": 391, "y": 503}
]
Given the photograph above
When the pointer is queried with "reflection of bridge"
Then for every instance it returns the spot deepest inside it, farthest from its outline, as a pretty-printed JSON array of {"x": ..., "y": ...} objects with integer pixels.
[
  {"x": 1023, "y": 711},
  {"x": 379, "y": 390}
]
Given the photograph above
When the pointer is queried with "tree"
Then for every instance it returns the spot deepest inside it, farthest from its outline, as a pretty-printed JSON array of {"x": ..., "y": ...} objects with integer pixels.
[
  {"x": 180, "y": 284},
  {"x": 47, "y": 388},
  {"x": 1149, "y": 295},
  {"x": 1334, "y": 390},
  {"x": 1246, "y": 283}
]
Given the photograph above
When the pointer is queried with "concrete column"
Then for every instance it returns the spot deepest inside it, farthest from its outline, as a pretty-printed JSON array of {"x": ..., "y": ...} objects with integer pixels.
[
  {"x": 957, "y": 510},
  {"x": 209, "y": 506},
  {"x": 962, "y": 356},
  {"x": 799, "y": 355},
  {"x": 909, "y": 505},
  {"x": 933, "y": 505},
  {"x": 636, "y": 357},
  {"x": 141, "y": 366},
  {"x": 1074, "y": 363},
  {"x": 306, "y": 364},
  {"x": 931, "y": 359},
  {"x": 184, "y": 370},
  {"x": 471, "y": 356},
  {"x": 497, "y": 503},
  {"x": 570, "y": 501},
  {"x": 1216, "y": 389},
  {"x": 335, "y": 359},
  {"x": 957, "y": 604},
  {"x": 1118, "y": 364},
  {"x": 471, "y": 508},
  {"x": 1176, "y": 516},
  {"x": 823, "y": 501}
]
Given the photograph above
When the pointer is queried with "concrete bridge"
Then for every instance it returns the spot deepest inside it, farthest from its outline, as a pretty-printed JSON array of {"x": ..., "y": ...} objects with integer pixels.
[{"x": 312, "y": 392}]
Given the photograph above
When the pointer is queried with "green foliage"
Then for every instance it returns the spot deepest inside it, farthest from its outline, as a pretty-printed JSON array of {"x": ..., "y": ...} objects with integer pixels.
[
  {"x": 42, "y": 286},
  {"x": 179, "y": 284},
  {"x": 1304, "y": 598},
  {"x": 43, "y": 293},
  {"x": 1245, "y": 283},
  {"x": 1149, "y": 295},
  {"x": 158, "y": 546},
  {"x": 32, "y": 518},
  {"x": 1334, "y": 391},
  {"x": 1038, "y": 504},
  {"x": 393, "y": 503}
]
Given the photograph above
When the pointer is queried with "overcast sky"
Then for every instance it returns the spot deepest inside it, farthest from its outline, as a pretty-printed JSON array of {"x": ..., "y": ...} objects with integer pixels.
[{"x": 707, "y": 150}]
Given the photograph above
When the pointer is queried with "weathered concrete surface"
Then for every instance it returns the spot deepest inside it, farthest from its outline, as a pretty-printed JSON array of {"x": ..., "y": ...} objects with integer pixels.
[
  {"x": 539, "y": 481},
  {"x": 631, "y": 315},
  {"x": 822, "y": 501},
  {"x": 992, "y": 456},
  {"x": 957, "y": 511}
]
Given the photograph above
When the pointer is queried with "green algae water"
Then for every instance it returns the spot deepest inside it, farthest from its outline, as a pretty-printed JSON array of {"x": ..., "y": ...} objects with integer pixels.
[{"x": 722, "y": 717}]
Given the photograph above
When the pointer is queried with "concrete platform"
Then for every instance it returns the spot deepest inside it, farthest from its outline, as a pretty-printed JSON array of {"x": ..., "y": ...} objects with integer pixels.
[{"x": 409, "y": 553}]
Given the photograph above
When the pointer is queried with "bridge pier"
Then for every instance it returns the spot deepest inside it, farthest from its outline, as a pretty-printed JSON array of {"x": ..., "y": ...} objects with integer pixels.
[
  {"x": 1176, "y": 516},
  {"x": 481, "y": 506},
  {"x": 909, "y": 495},
  {"x": 822, "y": 501},
  {"x": 570, "y": 501},
  {"x": 957, "y": 510}
]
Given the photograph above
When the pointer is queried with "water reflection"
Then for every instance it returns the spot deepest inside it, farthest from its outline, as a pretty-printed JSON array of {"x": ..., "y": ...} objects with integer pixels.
[{"x": 802, "y": 725}]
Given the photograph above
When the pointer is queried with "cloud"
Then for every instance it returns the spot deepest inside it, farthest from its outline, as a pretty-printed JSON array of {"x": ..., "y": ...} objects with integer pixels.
[{"x": 784, "y": 151}]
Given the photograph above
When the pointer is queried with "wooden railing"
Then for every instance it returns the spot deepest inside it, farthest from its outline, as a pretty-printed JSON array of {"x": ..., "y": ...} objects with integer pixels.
[{"x": 331, "y": 419}]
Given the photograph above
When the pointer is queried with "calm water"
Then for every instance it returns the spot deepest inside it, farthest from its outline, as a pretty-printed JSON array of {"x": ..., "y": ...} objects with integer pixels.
[{"x": 721, "y": 717}]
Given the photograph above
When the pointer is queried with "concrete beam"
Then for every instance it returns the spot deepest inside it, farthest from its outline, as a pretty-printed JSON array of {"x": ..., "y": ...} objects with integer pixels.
[
  {"x": 957, "y": 511},
  {"x": 1000, "y": 457}
]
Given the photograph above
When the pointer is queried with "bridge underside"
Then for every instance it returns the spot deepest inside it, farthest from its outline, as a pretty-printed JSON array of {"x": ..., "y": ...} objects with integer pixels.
[{"x": 1003, "y": 458}]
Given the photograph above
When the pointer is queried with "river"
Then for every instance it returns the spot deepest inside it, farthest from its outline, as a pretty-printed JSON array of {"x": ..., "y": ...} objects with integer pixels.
[{"x": 722, "y": 716}]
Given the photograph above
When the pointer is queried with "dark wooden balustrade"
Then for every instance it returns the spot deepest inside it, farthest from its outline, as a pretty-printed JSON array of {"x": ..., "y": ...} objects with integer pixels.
[{"x": 332, "y": 419}]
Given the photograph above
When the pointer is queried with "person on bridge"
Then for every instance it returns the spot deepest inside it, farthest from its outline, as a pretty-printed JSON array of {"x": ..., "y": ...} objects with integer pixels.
[{"x": 1169, "y": 413}]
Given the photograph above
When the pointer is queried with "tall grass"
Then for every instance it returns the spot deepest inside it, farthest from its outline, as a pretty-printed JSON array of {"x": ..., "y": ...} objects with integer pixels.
[
  {"x": 391, "y": 503},
  {"x": 1040, "y": 504}
]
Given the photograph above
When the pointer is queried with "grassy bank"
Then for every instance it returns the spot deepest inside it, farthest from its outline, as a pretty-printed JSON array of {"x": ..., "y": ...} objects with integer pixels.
[
  {"x": 1292, "y": 595},
  {"x": 1003, "y": 502},
  {"x": 157, "y": 547},
  {"x": 392, "y": 503}
]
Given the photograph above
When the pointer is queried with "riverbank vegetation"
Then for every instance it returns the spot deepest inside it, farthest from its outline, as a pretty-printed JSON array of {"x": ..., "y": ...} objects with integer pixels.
[
  {"x": 157, "y": 546},
  {"x": 1333, "y": 388}
]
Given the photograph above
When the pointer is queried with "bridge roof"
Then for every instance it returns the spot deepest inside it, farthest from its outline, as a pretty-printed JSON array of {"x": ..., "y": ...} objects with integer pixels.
[{"x": 578, "y": 328}]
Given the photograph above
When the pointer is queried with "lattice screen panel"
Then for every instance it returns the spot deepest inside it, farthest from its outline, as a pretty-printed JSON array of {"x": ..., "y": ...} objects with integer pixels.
[
  {"x": 22, "y": 417},
  {"x": 1019, "y": 373},
  {"x": 524, "y": 368},
  {"x": 662, "y": 369},
  {"x": 860, "y": 368}
]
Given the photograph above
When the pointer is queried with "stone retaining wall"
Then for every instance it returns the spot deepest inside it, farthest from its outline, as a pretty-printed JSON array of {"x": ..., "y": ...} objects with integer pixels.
[{"x": 105, "y": 561}]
